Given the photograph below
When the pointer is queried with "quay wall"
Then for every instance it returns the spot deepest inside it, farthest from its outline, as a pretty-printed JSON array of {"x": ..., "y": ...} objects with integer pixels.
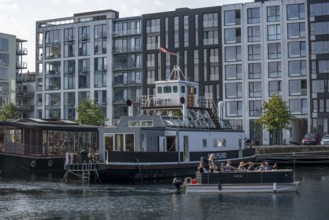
[{"x": 289, "y": 148}]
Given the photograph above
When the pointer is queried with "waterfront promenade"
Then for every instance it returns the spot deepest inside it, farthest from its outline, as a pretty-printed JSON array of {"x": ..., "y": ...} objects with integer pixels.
[{"x": 299, "y": 154}]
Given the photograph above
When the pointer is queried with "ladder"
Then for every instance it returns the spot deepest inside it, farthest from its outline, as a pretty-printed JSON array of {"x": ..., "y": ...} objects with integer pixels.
[{"x": 82, "y": 171}]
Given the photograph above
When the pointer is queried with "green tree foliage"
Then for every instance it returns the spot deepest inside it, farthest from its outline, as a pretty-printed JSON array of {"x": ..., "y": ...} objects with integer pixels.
[
  {"x": 8, "y": 112},
  {"x": 275, "y": 115},
  {"x": 89, "y": 112}
]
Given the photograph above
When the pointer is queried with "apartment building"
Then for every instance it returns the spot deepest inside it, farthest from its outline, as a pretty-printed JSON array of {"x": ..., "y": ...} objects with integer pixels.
[
  {"x": 73, "y": 63},
  {"x": 240, "y": 54}
]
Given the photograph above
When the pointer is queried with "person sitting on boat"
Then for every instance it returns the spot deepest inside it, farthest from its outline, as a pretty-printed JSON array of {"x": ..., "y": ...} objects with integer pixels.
[
  {"x": 202, "y": 166},
  {"x": 261, "y": 167},
  {"x": 229, "y": 168},
  {"x": 251, "y": 166},
  {"x": 211, "y": 162},
  {"x": 242, "y": 167},
  {"x": 267, "y": 166}
]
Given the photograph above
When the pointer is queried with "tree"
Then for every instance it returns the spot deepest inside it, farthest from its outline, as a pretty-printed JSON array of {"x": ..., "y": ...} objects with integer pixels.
[
  {"x": 8, "y": 112},
  {"x": 89, "y": 112},
  {"x": 275, "y": 117}
]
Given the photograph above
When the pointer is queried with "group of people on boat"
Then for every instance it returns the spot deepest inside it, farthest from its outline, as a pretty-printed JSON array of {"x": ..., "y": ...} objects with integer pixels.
[{"x": 211, "y": 166}]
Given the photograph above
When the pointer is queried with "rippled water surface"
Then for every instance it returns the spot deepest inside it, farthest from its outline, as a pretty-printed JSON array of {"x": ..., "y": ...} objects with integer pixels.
[{"x": 52, "y": 199}]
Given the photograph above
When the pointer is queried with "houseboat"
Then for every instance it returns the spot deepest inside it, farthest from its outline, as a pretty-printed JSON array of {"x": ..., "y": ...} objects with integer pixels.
[
  {"x": 175, "y": 128},
  {"x": 38, "y": 146}
]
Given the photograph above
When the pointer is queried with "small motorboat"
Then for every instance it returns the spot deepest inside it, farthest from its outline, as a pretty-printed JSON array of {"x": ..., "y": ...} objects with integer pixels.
[{"x": 264, "y": 181}]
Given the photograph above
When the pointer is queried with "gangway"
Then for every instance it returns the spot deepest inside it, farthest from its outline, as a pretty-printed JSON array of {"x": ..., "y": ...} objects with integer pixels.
[{"x": 83, "y": 171}]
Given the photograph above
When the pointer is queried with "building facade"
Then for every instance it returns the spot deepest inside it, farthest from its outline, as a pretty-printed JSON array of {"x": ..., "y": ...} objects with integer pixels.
[{"x": 240, "y": 54}]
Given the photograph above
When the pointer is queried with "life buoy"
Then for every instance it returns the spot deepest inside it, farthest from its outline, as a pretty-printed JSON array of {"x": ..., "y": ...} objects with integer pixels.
[
  {"x": 50, "y": 163},
  {"x": 33, "y": 163}
]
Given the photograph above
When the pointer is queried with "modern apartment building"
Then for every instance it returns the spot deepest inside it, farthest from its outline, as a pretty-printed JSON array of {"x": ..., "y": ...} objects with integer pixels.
[
  {"x": 73, "y": 63},
  {"x": 240, "y": 54}
]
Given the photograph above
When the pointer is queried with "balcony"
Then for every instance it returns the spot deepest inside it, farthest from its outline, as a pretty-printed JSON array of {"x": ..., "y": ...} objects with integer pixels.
[
  {"x": 22, "y": 65},
  {"x": 25, "y": 78},
  {"x": 21, "y": 51}
]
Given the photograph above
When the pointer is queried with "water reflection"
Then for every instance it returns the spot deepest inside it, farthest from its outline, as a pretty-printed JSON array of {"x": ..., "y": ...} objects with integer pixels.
[{"x": 45, "y": 199}]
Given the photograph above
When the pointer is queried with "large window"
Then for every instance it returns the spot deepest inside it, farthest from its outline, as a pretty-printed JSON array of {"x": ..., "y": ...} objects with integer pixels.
[
  {"x": 273, "y": 13},
  {"x": 298, "y": 106},
  {"x": 323, "y": 66},
  {"x": 255, "y": 89},
  {"x": 296, "y": 30},
  {"x": 232, "y": 53},
  {"x": 210, "y": 37},
  {"x": 233, "y": 108},
  {"x": 274, "y": 32},
  {"x": 210, "y": 20},
  {"x": 297, "y": 49},
  {"x": 320, "y": 47},
  {"x": 319, "y": 9},
  {"x": 232, "y": 35},
  {"x": 274, "y": 51},
  {"x": 153, "y": 26},
  {"x": 274, "y": 69},
  {"x": 295, "y": 11},
  {"x": 4, "y": 44},
  {"x": 297, "y": 68},
  {"x": 255, "y": 70},
  {"x": 232, "y": 17},
  {"x": 255, "y": 108},
  {"x": 233, "y": 90},
  {"x": 233, "y": 71},
  {"x": 254, "y": 34},
  {"x": 318, "y": 86},
  {"x": 275, "y": 88},
  {"x": 320, "y": 28},
  {"x": 254, "y": 52},
  {"x": 253, "y": 15},
  {"x": 69, "y": 74},
  {"x": 297, "y": 87}
]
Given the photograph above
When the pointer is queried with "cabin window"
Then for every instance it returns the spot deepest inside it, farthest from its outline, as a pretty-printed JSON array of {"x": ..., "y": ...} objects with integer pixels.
[
  {"x": 204, "y": 143},
  {"x": 130, "y": 142},
  {"x": 175, "y": 89},
  {"x": 119, "y": 142},
  {"x": 159, "y": 90},
  {"x": 221, "y": 142},
  {"x": 182, "y": 89},
  {"x": 109, "y": 142},
  {"x": 145, "y": 123},
  {"x": 167, "y": 89}
]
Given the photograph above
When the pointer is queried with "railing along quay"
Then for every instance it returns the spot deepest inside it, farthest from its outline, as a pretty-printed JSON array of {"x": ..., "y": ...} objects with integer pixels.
[{"x": 293, "y": 154}]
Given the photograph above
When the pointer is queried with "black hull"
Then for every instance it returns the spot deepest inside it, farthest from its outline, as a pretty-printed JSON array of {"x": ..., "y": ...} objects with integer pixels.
[{"x": 21, "y": 166}]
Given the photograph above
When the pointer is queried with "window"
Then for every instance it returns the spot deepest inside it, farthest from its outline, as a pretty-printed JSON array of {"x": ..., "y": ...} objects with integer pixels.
[
  {"x": 176, "y": 31},
  {"x": 320, "y": 47},
  {"x": 298, "y": 106},
  {"x": 273, "y": 13},
  {"x": 153, "y": 26},
  {"x": 319, "y": 9},
  {"x": 233, "y": 90},
  {"x": 255, "y": 71},
  {"x": 318, "y": 86},
  {"x": 232, "y": 35},
  {"x": 210, "y": 37},
  {"x": 4, "y": 44},
  {"x": 297, "y": 68},
  {"x": 233, "y": 108},
  {"x": 204, "y": 143},
  {"x": 296, "y": 30},
  {"x": 319, "y": 28},
  {"x": 255, "y": 89},
  {"x": 297, "y": 49},
  {"x": 254, "y": 34},
  {"x": 273, "y": 32},
  {"x": 232, "y": 17},
  {"x": 323, "y": 66},
  {"x": 295, "y": 11},
  {"x": 233, "y": 71},
  {"x": 210, "y": 20},
  {"x": 232, "y": 53},
  {"x": 254, "y": 52},
  {"x": 255, "y": 108},
  {"x": 275, "y": 88},
  {"x": 274, "y": 51},
  {"x": 253, "y": 15},
  {"x": 274, "y": 69},
  {"x": 297, "y": 87},
  {"x": 186, "y": 35},
  {"x": 152, "y": 42}
]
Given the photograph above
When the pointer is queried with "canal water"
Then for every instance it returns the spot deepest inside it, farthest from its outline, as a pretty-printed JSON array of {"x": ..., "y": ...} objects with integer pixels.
[{"x": 52, "y": 199}]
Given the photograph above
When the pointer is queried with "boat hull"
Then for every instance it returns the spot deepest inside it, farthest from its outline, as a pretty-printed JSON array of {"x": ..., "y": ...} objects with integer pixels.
[
  {"x": 242, "y": 188},
  {"x": 19, "y": 166}
]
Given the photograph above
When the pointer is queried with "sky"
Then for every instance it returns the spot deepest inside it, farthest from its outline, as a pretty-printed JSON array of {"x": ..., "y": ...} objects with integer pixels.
[{"x": 18, "y": 17}]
